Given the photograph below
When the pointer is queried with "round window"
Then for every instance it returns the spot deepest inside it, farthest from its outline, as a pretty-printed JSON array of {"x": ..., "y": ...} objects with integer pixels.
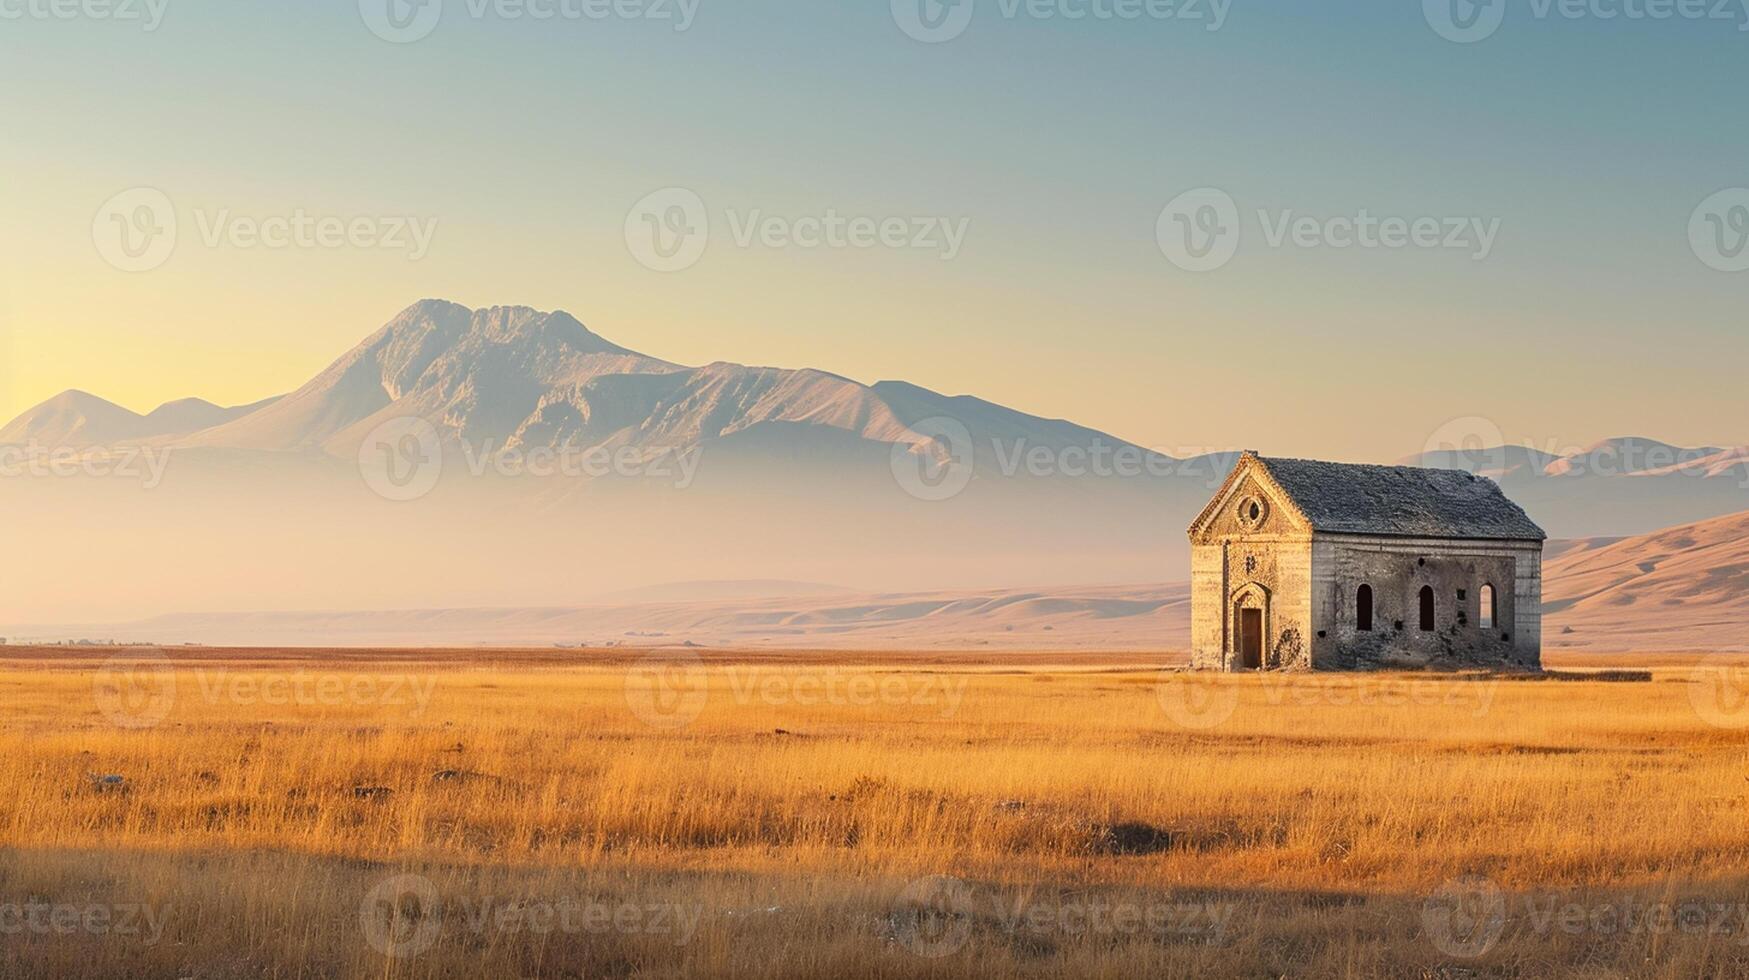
[{"x": 1252, "y": 511}]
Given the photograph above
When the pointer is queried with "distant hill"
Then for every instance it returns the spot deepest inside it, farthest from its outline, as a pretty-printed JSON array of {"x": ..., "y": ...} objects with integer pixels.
[
  {"x": 1681, "y": 589},
  {"x": 78, "y": 420}
]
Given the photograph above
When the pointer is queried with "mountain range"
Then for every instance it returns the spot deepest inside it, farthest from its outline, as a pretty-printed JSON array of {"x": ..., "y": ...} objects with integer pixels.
[
  {"x": 75, "y": 419},
  {"x": 801, "y": 475},
  {"x": 518, "y": 378}
]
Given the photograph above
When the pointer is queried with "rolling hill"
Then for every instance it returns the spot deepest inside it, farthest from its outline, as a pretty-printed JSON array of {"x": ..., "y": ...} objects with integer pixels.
[{"x": 1680, "y": 589}]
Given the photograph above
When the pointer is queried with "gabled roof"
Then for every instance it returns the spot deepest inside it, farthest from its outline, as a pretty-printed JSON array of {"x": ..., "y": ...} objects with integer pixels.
[
  {"x": 1399, "y": 501},
  {"x": 1358, "y": 498}
]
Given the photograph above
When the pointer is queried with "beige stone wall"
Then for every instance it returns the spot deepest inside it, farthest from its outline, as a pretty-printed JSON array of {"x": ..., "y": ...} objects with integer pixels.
[
  {"x": 1208, "y": 591},
  {"x": 1528, "y": 629},
  {"x": 1397, "y": 569}
]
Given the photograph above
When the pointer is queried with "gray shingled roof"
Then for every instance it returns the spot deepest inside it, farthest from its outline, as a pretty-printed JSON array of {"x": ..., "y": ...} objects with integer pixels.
[{"x": 1355, "y": 498}]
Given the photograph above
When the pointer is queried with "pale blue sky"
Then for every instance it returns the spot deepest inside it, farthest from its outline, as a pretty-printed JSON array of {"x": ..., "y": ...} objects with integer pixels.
[{"x": 1590, "y": 141}]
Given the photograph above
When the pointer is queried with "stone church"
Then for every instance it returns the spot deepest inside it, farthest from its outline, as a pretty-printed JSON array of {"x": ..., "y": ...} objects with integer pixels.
[{"x": 1297, "y": 564}]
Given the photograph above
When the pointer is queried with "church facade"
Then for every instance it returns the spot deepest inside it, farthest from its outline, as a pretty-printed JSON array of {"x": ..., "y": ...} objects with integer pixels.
[{"x": 1302, "y": 565}]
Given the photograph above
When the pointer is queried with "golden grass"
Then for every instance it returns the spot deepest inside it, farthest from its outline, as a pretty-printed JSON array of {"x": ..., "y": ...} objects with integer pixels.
[{"x": 793, "y": 813}]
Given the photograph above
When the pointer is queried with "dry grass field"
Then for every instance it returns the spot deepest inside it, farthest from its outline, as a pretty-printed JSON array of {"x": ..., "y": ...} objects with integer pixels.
[{"x": 213, "y": 814}]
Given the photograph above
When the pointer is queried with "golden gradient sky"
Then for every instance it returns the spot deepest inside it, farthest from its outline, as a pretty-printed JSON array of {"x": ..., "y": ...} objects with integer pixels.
[{"x": 1591, "y": 318}]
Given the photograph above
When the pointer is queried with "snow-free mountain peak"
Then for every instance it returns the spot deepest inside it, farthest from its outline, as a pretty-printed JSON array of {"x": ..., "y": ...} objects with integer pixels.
[
  {"x": 516, "y": 377},
  {"x": 476, "y": 374},
  {"x": 76, "y": 419}
]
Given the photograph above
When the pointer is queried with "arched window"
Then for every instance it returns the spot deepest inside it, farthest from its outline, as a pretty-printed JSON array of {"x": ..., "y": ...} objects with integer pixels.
[
  {"x": 1490, "y": 612},
  {"x": 1363, "y": 609},
  {"x": 1427, "y": 609}
]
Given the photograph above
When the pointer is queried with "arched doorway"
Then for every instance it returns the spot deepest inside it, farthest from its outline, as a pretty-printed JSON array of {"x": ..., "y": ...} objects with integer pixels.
[{"x": 1250, "y": 649}]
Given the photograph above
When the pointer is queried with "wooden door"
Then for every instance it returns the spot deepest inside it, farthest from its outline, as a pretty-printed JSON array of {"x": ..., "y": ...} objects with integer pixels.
[{"x": 1251, "y": 638}]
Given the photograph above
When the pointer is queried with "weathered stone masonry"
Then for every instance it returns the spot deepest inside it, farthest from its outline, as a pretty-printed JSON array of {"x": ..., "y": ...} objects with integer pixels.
[{"x": 1282, "y": 554}]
